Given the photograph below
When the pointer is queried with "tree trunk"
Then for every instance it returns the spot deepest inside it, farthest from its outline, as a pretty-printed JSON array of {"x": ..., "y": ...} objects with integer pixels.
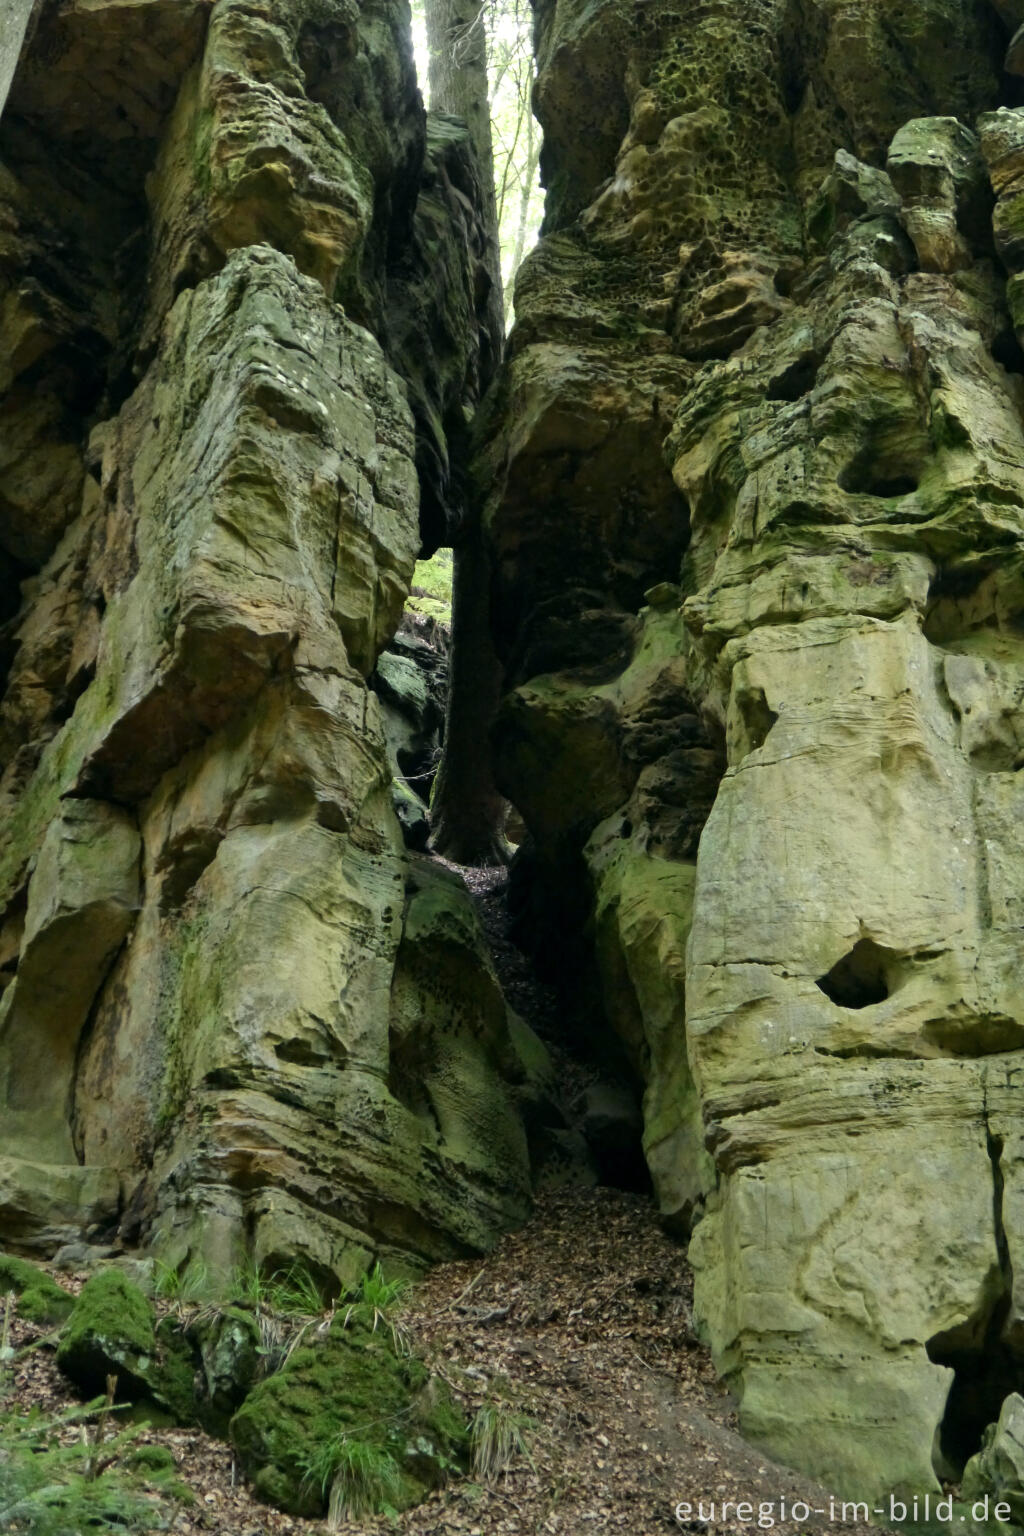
[
  {"x": 457, "y": 42},
  {"x": 525, "y": 195},
  {"x": 468, "y": 813}
]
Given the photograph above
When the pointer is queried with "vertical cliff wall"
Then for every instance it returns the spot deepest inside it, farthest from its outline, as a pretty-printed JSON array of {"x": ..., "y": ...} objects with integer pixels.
[
  {"x": 240, "y": 301},
  {"x": 756, "y": 508}
]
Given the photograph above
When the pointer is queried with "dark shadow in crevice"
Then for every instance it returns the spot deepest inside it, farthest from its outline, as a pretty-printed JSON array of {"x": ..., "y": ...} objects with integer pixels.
[
  {"x": 1007, "y": 351},
  {"x": 861, "y": 978},
  {"x": 555, "y": 985},
  {"x": 796, "y": 381},
  {"x": 957, "y": 605},
  {"x": 985, "y": 1369},
  {"x": 983, "y": 1377},
  {"x": 758, "y": 717},
  {"x": 865, "y": 477}
]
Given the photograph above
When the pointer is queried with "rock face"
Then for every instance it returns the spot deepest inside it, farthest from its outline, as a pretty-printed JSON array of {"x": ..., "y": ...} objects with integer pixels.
[
  {"x": 756, "y": 507},
  {"x": 218, "y": 1032}
]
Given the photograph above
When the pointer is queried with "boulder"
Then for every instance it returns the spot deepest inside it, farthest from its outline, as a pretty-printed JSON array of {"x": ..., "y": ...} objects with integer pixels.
[
  {"x": 351, "y": 1387},
  {"x": 113, "y": 1332},
  {"x": 40, "y": 1299}
]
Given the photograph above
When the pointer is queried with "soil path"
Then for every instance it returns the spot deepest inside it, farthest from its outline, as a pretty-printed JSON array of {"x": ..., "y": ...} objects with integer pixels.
[{"x": 579, "y": 1326}]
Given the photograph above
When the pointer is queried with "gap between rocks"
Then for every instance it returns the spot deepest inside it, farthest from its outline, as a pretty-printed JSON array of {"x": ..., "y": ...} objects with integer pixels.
[{"x": 582, "y": 1321}]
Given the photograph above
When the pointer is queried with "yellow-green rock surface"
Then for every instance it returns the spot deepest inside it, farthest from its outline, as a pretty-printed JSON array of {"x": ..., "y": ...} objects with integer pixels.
[
  {"x": 219, "y": 1035},
  {"x": 756, "y": 506}
]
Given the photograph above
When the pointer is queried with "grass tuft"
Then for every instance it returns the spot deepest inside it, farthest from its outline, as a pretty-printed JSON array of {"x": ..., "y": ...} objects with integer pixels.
[
  {"x": 186, "y": 1286},
  {"x": 357, "y": 1479},
  {"x": 378, "y": 1303},
  {"x": 499, "y": 1435}
]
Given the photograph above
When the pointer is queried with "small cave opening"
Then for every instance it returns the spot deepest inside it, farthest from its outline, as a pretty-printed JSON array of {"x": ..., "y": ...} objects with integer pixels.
[
  {"x": 796, "y": 381},
  {"x": 536, "y": 921},
  {"x": 983, "y": 1377},
  {"x": 960, "y": 599},
  {"x": 755, "y": 721},
  {"x": 1007, "y": 351},
  {"x": 612, "y": 1124},
  {"x": 861, "y": 978},
  {"x": 982, "y": 1353},
  {"x": 868, "y": 477}
]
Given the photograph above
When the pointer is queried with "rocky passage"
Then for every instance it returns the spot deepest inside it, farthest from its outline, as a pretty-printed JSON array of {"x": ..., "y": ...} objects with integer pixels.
[
  {"x": 749, "y": 487},
  {"x": 581, "y": 1324}
]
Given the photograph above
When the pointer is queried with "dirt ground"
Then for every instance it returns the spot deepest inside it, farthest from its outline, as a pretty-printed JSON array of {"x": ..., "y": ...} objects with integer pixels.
[{"x": 580, "y": 1324}]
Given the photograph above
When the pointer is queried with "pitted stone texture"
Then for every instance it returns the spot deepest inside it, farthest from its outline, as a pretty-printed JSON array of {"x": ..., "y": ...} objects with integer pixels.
[
  {"x": 250, "y": 158},
  {"x": 788, "y": 767},
  {"x": 850, "y": 931}
]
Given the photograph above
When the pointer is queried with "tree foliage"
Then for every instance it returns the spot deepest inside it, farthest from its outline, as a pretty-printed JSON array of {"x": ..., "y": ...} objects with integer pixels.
[{"x": 504, "y": 29}]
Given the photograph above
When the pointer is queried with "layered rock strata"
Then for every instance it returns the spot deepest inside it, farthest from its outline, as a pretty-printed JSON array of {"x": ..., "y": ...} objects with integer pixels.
[
  {"x": 756, "y": 506},
  {"x": 236, "y": 1018}
]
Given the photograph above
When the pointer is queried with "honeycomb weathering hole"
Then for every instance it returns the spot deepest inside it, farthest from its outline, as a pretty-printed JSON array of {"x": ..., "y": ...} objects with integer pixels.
[
  {"x": 864, "y": 477},
  {"x": 860, "y": 978}
]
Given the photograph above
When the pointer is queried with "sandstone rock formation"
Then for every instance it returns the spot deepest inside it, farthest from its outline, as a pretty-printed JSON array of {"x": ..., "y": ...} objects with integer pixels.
[
  {"x": 753, "y": 491},
  {"x": 756, "y": 506},
  {"x": 236, "y": 1017}
]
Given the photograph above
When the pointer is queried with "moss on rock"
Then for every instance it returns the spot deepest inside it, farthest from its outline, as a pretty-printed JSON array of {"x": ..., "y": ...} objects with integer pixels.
[
  {"x": 40, "y": 1299},
  {"x": 352, "y": 1386},
  {"x": 230, "y": 1354},
  {"x": 113, "y": 1331}
]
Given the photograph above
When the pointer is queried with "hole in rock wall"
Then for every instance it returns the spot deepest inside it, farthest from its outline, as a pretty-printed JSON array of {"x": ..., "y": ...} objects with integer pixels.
[
  {"x": 1007, "y": 351},
  {"x": 796, "y": 381},
  {"x": 962, "y": 599},
  {"x": 861, "y": 978},
  {"x": 865, "y": 478},
  {"x": 984, "y": 1376},
  {"x": 982, "y": 1353},
  {"x": 755, "y": 720},
  {"x": 613, "y": 1128}
]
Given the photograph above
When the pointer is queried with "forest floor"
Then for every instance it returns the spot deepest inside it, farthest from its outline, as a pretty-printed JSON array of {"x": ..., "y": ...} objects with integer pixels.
[{"x": 580, "y": 1326}]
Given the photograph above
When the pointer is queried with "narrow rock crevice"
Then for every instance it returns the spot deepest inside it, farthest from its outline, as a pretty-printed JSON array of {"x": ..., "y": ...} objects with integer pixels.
[{"x": 985, "y": 1369}]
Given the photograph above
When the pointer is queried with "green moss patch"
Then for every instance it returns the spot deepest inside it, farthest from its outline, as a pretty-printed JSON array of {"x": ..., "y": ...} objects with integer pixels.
[
  {"x": 40, "y": 1299},
  {"x": 348, "y": 1402},
  {"x": 113, "y": 1331}
]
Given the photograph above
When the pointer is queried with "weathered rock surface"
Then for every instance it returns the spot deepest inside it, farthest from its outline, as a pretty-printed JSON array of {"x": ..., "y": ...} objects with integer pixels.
[
  {"x": 411, "y": 682},
  {"x": 755, "y": 467},
  {"x": 996, "y": 1473},
  {"x": 219, "y": 1032}
]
